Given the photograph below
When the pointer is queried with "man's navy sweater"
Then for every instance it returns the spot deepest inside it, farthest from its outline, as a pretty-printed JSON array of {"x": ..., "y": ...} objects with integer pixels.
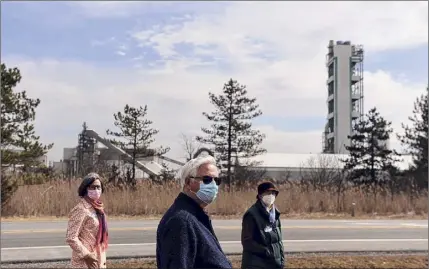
[{"x": 185, "y": 238}]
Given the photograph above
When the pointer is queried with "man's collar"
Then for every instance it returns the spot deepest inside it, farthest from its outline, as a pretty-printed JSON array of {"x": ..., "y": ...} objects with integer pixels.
[
  {"x": 196, "y": 208},
  {"x": 185, "y": 197},
  {"x": 194, "y": 198}
]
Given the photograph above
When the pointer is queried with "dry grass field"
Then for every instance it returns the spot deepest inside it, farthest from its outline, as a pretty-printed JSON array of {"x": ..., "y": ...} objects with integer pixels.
[{"x": 56, "y": 199}]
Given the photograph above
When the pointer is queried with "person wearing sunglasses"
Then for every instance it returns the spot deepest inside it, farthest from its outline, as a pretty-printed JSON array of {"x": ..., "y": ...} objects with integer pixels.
[
  {"x": 261, "y": 234},
  {"x": 87, "y": 226},
  {"x": 185, "y": 236}
]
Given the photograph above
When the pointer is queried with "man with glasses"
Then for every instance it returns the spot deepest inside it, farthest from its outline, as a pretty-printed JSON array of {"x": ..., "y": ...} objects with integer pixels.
[{"x": 185, "y": 235}]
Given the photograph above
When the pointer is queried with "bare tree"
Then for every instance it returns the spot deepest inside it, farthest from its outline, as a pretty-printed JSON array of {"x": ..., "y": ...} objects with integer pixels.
[
  {"x": 247, "y": 173},
  {"x": 324, "y": 172},
  {"x": 321, "y": 171},
  {"x": 189, "y": 145},
  {"x": 286, "y": 177}
]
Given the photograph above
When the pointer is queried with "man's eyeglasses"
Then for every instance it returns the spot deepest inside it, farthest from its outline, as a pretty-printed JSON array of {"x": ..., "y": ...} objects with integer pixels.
[{"x": 209, "y": 179}]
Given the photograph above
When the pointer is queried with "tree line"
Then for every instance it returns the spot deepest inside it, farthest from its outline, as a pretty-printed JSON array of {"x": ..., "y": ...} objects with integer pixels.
[
  {"x": 371, "y": 163},
  {"x": 230, "y": 135}
]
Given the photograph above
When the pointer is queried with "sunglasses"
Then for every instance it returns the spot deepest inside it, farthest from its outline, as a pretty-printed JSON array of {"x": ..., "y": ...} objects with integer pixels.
[{"x": 209, "y": 179}]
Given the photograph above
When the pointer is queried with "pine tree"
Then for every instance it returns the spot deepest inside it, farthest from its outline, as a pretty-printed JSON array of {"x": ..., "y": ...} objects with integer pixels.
[
  {"x": 230, "y": 134},
  {"x": 19, "y": 142},
  {"x": 135, "y": 135},
  {"x": 415, "y": 139},
  {"x": 370, "y": 159}
]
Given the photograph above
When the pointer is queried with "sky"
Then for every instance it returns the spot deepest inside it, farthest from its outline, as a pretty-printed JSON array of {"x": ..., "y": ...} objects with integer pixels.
[{"x": 87, "y": 60}]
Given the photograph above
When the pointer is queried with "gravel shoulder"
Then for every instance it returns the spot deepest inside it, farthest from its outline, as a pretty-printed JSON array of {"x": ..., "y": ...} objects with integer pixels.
[{"x": 294, "y": 260}]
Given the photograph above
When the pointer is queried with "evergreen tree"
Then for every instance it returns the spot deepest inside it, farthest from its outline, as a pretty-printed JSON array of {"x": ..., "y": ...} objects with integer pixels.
[
  {"x": 230, "y": 134},
  {"x": 19, "y": 142},
  {"x": 415, "y": 139},
  {"x": 135, "y": 135},
  {"x": 370, "y": 159}
]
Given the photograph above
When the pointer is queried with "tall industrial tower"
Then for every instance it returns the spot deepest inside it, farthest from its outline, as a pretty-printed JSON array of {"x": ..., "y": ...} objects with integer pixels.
[{"x": 344, "y": 62}]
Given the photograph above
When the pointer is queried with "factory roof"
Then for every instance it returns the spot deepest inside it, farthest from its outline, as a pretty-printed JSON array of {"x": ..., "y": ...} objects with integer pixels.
[{"x": 313, "y": 160}]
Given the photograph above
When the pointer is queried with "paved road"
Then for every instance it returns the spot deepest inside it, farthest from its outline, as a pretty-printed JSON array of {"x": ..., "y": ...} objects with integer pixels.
[{"x": 41, "y": 240}]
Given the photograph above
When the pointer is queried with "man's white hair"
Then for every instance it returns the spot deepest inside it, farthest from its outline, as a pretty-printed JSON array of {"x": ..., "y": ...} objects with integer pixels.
[{"x": 190, "y": 168}]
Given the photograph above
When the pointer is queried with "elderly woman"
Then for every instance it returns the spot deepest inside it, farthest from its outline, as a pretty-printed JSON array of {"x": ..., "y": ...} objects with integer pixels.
[
  {"x": 87, "y": 227},
  {"x": 261, "y": 234}
]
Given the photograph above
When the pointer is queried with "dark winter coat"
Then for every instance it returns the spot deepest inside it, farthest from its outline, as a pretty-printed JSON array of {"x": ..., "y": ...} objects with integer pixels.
[
  {"x": 261, "y": 240},
  {"x": 186, "y": 239}
]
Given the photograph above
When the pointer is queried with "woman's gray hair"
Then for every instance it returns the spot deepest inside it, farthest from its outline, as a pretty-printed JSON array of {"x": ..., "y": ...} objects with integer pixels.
[
  {"x": 190, "y": 168},
  {"x": 92, "y": 175},
  {"x": 87, "y": 181}
]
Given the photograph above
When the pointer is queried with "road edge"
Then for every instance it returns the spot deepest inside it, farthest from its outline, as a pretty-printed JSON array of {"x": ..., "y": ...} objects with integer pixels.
[{"x": 229, "y": 217}]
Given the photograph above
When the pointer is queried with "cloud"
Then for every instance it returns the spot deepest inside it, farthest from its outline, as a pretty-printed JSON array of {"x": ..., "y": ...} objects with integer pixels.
[
  {"x": 296, "y": 35},
  {"x": 98, "y": 43},
  {"x": 134, "y": 9},
  {"x": 73, "y": 92},
  {"x": 393, "y": 98},
  {"x": 294, "y": 29},
  {"x": 277, "y": 49}
]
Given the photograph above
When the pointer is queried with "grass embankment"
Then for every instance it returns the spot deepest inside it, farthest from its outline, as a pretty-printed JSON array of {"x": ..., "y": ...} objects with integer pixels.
[
  {"x": 57, "y": 198},
  {"x": 390, "y": 261},
  {"x": 334, "y": 260}
]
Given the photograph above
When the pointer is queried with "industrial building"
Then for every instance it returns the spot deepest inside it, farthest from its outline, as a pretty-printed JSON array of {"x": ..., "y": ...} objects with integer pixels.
[
  {"x": 94, "y": 150},
  {"x": 12, "y": 168},
  {"x": 282, "y": 166},
  {"x": 344, "y": 63},
  {"x": 345, "y": 100}
]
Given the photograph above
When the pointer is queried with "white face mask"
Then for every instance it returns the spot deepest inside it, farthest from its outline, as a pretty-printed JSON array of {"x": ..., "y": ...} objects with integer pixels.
[{"x": 268, "y": 199}]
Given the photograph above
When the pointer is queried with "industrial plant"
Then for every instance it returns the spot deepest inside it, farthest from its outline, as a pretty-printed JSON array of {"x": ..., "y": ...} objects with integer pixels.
[
  {"x": 344, "y": 62},
  {"x": 89, "y": 153},
  {"x": 345, "y": 105}
]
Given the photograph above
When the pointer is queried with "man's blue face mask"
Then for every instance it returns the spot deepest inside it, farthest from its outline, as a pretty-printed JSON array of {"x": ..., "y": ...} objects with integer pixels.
[{"x": 209, "y": 188}]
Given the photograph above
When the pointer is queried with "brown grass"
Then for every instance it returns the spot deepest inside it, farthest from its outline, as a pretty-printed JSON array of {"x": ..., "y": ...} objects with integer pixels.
[
  {"x": 400, "y": 261},
  {"x": 57, "y": 198}
]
